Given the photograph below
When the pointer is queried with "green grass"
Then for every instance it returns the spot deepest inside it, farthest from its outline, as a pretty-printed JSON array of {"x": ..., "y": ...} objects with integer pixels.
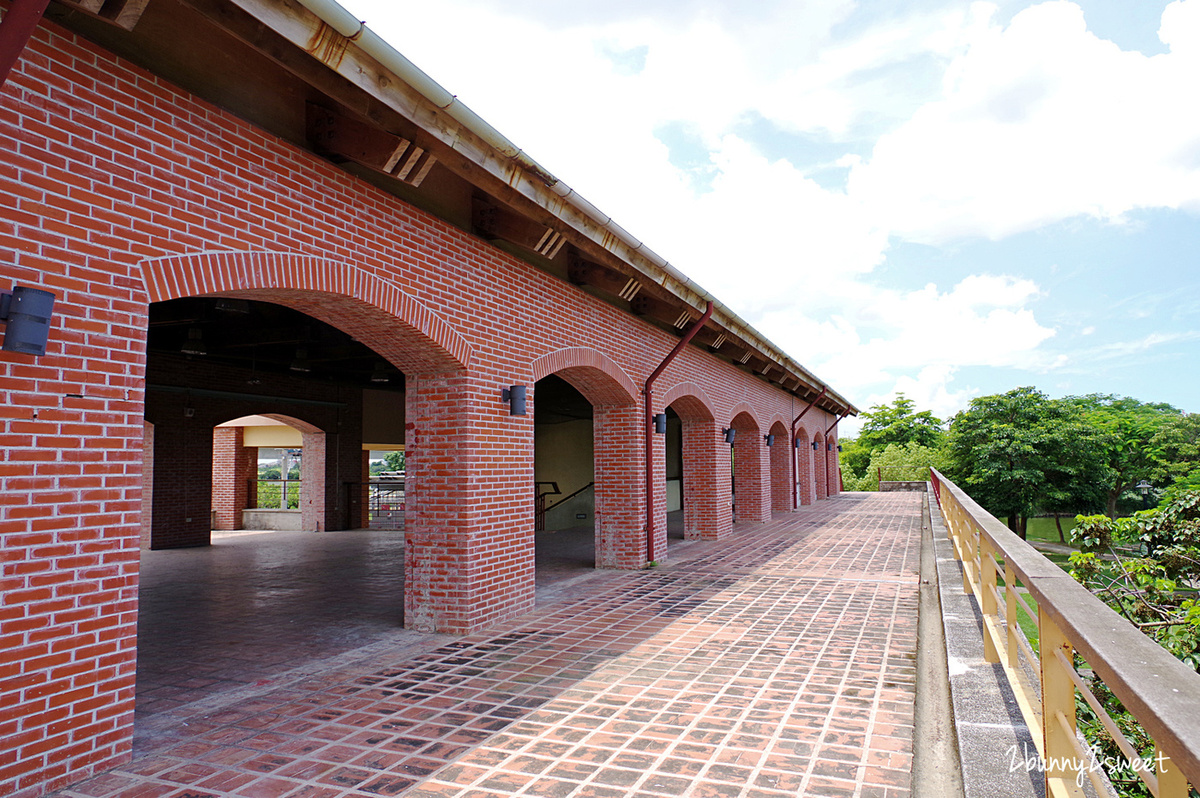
[{"x": 1044, "y": 529}]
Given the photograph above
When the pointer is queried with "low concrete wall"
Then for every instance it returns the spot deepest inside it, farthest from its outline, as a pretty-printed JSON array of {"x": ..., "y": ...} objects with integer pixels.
[
  {"x": 278, "y": 520},
  {"x": 890, "y": 486}
]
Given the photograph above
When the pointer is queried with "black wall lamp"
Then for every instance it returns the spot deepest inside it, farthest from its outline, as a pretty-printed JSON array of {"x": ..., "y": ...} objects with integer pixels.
[
  {"x": 815, "y": 445},
  {"x": 729, "y": 435},
  {"x": 27, "y": 312},
  {"x": 829, "y": 447},
  {"x": 660, "y": 423},
  {"x": 515, "y": 396},
  {"x": 796, "y": 443},
  {"x": 770, "y": 439}
]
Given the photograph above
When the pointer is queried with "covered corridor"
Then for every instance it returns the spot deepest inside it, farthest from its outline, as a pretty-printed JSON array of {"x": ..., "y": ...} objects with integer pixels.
[{"x": 779, "y": 661}]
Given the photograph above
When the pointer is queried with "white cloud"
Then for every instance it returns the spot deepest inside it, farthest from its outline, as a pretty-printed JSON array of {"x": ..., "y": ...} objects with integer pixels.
[
  {"x": 1041, "y": 121},
  {"x": 980, "y": 129}
]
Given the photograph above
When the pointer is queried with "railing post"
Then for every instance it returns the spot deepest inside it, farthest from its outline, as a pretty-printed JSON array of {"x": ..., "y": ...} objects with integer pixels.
[
  {"x": 1010, "y": 613},
  {"x": 1058, "y": 710},
  {"x": 987, "y": 596},
  {"x": 1171, "y": 781}
]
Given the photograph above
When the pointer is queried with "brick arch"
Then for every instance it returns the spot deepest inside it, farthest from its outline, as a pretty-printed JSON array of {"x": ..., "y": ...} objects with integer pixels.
[
  {"x": 417, "y": 340},
  {"x": 690, "y": 402},
  {"x": 744, "y": 418},
  {"x": 592, "y": 373}
]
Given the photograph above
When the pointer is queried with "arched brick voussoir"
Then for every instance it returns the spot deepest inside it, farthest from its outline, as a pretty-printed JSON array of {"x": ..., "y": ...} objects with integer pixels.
[
  {"x": 743, "y": 417},
  {"x": 592, "y": 373},
  {"x": 690, "y": 402},
  {"x": 372, "y": 309}
]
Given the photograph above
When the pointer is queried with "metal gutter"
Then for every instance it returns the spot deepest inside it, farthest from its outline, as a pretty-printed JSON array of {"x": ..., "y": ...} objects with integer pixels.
[{"x": 670, "y": 278}]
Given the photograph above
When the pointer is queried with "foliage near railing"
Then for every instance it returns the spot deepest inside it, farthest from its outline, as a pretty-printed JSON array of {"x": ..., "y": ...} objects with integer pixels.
[{"x": 1073, "y": 626}]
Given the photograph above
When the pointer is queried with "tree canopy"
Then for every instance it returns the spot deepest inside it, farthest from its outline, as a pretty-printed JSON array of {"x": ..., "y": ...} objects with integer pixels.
[
  {"x": 1019, "y": 451},
  {"x": 1126, "y": 429},
  {"x": 883, "y": 425}
]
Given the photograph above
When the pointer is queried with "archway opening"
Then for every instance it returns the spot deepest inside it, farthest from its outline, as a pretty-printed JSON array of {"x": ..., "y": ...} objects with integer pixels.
[
  {"x": 676, "y": 483},
  {"x": 233, "y": 384},
  {"x": 564, "y": 479}
]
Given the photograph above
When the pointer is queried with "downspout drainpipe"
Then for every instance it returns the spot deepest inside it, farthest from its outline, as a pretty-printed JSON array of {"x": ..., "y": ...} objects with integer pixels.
[
  {"x": 16, "y": 29},
  {"x": 795, "y": 421},
  {"x": 835, "y": 423},
  {"x": 648, "y": 394}
]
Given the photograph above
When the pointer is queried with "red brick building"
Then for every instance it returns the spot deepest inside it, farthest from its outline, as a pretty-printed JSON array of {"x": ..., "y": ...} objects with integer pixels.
[{"x": 257, "y": 207}]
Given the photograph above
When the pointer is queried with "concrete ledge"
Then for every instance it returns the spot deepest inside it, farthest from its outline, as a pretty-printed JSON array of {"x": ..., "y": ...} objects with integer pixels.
[
  {"x": 992, "y": 734},
  {"x": 277, "y": 520}
]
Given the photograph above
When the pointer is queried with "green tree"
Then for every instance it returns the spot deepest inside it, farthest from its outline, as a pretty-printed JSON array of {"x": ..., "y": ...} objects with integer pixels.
[
  {"x": 897, "y": 423},
  {"x": 394, "y": 460},
  {"x": 904, "y": 463},
  {"x": 1127, "y": 429},
  {"x": 1015, "y": 452},
  {"x": 1176, "y": 446}
]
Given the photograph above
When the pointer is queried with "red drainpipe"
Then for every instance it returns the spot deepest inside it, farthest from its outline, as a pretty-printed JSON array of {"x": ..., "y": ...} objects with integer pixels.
[
  {"x": 648, "y": 394},
  {"x": 795, "y": 421},
  {"x": 15, "y": 29}
]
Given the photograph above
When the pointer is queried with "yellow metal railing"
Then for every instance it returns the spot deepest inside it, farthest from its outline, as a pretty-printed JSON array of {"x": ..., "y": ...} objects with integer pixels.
[{"x": 1161, "y": 692}]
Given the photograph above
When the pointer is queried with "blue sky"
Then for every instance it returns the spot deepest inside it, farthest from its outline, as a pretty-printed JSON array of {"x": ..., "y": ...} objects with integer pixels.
[{"x": 944, "y": 198}]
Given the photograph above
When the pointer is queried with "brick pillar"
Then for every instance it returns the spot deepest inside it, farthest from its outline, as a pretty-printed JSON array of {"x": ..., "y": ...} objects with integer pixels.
[
  {"x": 658, "y": 452},
  {"x": 147, "y": 483},
  {"x": 707, "y": 513},
  {"x": 182, "y": 502},
  {"x": 619, "y": 446},
  {"x": 228, "y": 490},
  {"x": 468, "y": 500},
  {"x": 247, "y": 478},
  {"x": 805, "y": 484},
  {"x": 315, "y": 475},
  {"x": 819, "y": 469},
  {"x": 752, "y": 476},
  {"x": 833, "y": 465},
  {"x": 363, "y": 511},
  {"x": 781, "y": 471}
]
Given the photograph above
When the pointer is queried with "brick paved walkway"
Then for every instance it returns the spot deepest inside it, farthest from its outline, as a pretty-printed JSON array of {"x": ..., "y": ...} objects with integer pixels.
[{"x": 779, "y": 662}]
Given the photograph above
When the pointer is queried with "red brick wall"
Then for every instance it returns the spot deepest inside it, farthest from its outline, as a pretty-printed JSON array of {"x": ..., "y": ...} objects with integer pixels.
[
  {"x": 229, "y": 499},
  {"x": 117, "y": 190}
]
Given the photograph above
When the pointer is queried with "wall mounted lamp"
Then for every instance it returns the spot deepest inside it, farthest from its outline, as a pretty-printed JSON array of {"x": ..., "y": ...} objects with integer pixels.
[
  {"x": 839, "y": 447},
  {"x": 770, "y": 439},
  {"x": 829, "y": 447},
  {"x": 796, "y": 443},
  {"x": 815, "y": 445},
  {"x": 26, "y": 312},
  {"x": 660, "y": 423},
  {"x": 729, "y": 435},
  {"x": 515, "y": 396}
]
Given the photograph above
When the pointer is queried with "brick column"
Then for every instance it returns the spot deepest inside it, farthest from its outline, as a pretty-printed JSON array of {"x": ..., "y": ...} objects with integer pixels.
[
  {"x": 228, "y": 489},
  {"x": 619, "y": 445},
  {"x": 707, "y": 513},
  {"x": 752, "y": 477},
  {"x": 805, "y": 484},
  {"x": 469, "y": 558},
  {"x": 781, "y": 471}
]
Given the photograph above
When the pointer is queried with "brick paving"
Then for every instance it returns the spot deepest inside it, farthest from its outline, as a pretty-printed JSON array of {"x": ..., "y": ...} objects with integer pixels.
[{"x": 779, "y": 662}]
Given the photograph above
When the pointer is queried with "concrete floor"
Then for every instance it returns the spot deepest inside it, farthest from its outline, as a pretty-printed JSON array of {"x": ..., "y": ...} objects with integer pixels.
[{"x": 777, "y": 662}]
